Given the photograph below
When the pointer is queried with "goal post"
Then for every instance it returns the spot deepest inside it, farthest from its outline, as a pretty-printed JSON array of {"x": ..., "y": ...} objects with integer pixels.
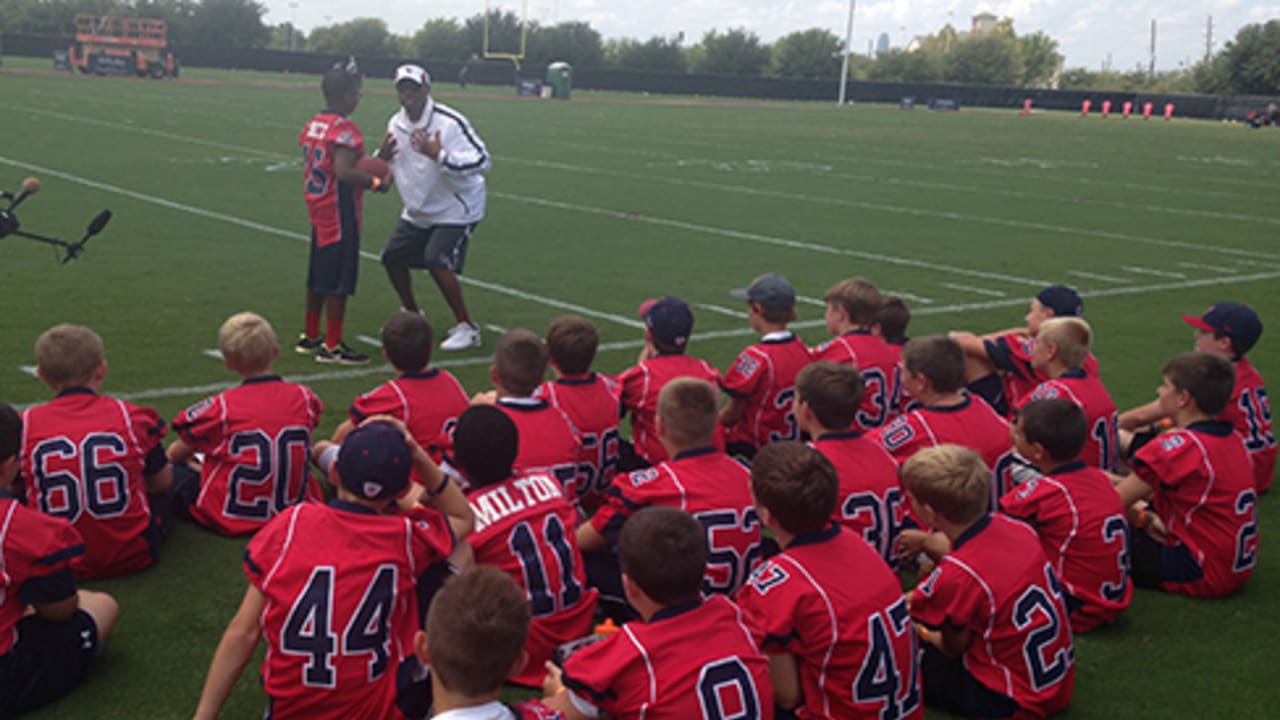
[{"x": 514, "y": 54}]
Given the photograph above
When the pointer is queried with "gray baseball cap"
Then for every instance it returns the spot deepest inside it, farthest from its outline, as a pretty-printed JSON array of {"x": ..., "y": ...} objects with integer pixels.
[{"x": 770, "y": 290}]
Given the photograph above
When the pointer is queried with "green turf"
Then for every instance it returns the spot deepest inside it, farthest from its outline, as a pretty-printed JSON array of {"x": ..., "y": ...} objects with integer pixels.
[{"x": 604, "y": 201}]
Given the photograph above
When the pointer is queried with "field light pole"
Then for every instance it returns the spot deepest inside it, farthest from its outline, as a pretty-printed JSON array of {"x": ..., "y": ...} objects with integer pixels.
[{"x": 848, "y": 50}]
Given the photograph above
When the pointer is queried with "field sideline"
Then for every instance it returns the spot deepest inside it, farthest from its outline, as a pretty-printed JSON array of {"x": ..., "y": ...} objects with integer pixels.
[{"x": 597, "y": 204}]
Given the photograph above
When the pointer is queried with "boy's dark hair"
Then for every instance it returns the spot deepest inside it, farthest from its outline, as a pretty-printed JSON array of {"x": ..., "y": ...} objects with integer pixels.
[
  {"x": 1209, "y": 378},
  {"x": 338, "y": 81},
  {"x": 406, "y": 339},
  {"x": 777, "y": 314},
  {"x": 797, "y": 484},
  {"x": 476, "y": 630},
  {"x": 10, "y": 431},
  {"x": 893, "y": 318},
  {"x": 689, "y": 408},
  {"x": 572, "y": 343},
  {"x": 485, "y": 444},
  {"x": 938, "y": 358},
  {"x": 833, "y": 391},
  {"x": 664, "y": 551},
  {"x": 521, "y": 361},
  {"x": 859, "y": 298},
  {"x": 1057, "y": 424}
]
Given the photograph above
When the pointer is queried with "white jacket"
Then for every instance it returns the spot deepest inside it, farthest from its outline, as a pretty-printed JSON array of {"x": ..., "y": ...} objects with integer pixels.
[{"x": 446, "y": 191}]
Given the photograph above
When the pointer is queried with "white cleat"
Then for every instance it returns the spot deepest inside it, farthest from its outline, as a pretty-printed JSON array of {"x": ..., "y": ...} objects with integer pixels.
[{"x": 462, "y": 337}]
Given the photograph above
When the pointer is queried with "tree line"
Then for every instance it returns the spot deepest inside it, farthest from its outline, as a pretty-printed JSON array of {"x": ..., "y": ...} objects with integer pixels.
[{"x": 1248, "y": 64}]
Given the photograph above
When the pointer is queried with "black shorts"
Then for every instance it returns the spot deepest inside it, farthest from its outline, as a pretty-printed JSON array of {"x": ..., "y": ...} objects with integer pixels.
[
  {"x": 441, "y": 247},
  {"x": 333, "y": 268},
  {"x": 48, "y": 660}
]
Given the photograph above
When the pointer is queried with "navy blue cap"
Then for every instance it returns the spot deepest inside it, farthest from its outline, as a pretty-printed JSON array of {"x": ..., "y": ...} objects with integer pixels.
[
  {"x": 374, "y": 462},
  {"x": 669, "y": 319},
  {"x": 770, "y": 290},
  {"x": 1062, "y": 300},
  {"x": 1236, "y": 321}
]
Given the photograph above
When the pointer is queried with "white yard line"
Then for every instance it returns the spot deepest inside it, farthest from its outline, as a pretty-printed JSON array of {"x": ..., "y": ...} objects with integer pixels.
[
  {"x": 495, "y": 328},
  {"x": 1202, "y": 266},
  {"x": 29, "y": 370},
  {"x": 1139, "y": 270},
  {"x": 722, "y": 310},
  {"x": 370, "y": 341},
  {"x": 975, "y": 290},
  {"x": 907, "y": 296},
  {"x": 811, "y": 301},
  {"x": 1096, "y": 276},
  {"x": 214, "y": 353}
]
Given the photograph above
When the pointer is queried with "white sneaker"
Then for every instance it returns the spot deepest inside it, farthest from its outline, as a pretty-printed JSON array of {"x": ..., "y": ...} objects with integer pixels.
[{"x": 461, "y": 337}]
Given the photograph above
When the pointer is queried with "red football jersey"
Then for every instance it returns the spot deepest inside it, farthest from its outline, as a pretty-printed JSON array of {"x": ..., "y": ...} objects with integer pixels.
[
  {"x": 548, "y": 441},
  {"x": 640, "y": 387},
  {"x": 872, "y": 504},
  {"x": 593, "y": 404},
  {"x": 693, "y": 661},
  {"x": 1011, "y": 353},
  {"x": 830, "y": 601},
  {"x": 341, "y": 608},
  {"x": 85, "y": 457},
  {"x": 1204, "y": 491},
  {"x": 1080, "y": 520},
  {"x": 1249, "y": 412},
  {"x": 1086, "y": 391},
  {"x": 256, "y": 438},
  {"x": 997, "y": 584},
  {"x": 877, "y": 361},
  {"x": 971, "y": 424},
  {"x": 711, "y": 486},
  {"x": 428, "y": 403},
  {"x": 901, "y": 398},
  {"x": 765, "y": 376},
  {"x": 524, "y": 526},
  {"x": 35, "y": 552},
  {"x": 327, "y": 198}
]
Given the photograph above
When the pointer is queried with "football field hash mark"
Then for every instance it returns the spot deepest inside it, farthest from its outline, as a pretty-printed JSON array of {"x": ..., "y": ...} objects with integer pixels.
[
  {"x": 722, "y": 310},
  {"x": 29, "y": 370},
  {"x": 1139, "y": 270},
  {"x": 1096, "y": 276},
  {"x": 370, "y": 341},
  {"x": 975, "y": 290},
  {"x": 214, "y": 353}
]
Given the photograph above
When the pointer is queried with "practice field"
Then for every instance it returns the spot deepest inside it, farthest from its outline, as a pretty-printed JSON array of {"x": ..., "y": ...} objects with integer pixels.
[{"x": 597, "y": 204}]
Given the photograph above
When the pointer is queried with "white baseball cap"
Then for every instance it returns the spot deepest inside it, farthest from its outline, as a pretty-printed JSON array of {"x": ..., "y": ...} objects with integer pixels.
[{"x": 414, "y": 73}]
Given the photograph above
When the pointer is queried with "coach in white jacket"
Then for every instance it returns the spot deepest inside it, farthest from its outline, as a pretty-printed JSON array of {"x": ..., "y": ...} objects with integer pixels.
[{"x": 438, "y": 163}]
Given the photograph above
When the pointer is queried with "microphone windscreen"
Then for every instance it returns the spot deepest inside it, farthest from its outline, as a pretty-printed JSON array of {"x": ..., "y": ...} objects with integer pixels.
[{"x": 31, "y": 186}]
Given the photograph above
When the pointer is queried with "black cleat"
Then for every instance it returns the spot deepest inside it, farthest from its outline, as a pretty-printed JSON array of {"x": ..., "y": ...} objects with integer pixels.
[
  {"x": 341, "y": 355},
  {"x": 308, "y": 346}
]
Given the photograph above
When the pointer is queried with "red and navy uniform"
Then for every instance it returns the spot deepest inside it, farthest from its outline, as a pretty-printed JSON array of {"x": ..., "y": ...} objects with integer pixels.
[
  {"x": 428, "y": 403},
  {"x": 256, "y": 440},
  {"x": 1249, "y": 412},
  {"x": 901, "y": 401},
  {"x": 1088, "y": 393},
  {"x": 713, "y": 488},
  {"x": 525, "y": 527},
  {"x": 35, "y": 564},
  {"x": 640, "y": 387},
  {"x": 1204, "y": 492},
  {"x": 593, "y": 404},
  {"x": 85, "y": 458},
  {"x": 548, "y": 441},
  {"x": 765, "y": 376},
  {"x": 1080, "y": 520},
  {"x": 341, "y": 609},
  {"x": 872, "y": 504},
  {"x": 997, "y": 584},
  {"x": 690, "y": 661},
  {"x": 334, "y": 206},
  {"x": 877, "y": 362},
  {"x": 830, "y": 601},
  {"x": 970, "y": 424},
  {"x": 1011, "y": 353}
]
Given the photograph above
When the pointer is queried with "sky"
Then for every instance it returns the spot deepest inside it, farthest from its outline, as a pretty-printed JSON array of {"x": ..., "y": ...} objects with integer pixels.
[{"x": 1090, "y": 33}]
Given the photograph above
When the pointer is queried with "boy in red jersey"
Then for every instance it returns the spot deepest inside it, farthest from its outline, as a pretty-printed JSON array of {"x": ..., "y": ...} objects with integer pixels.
[
  {"x": 871, "y": 504},
  {"x": 762, "y": 382},
  {"x": 686, "y": 658},
  {"x": 591, "y": 400},
  {"x": 852, "y": 307},
  {"x": 698, "y": 479},
  {"x": 92, "y": 460},
  {"x": 933, "y": 372},
  {"x": 1230, "y": 330},
  {"x": 333, "y": 188},
  {"x": 524, "y": 526},
  {"x": 49, "y": 631},
  {"x": 332, "y": 587},
  {"x": 891, "y": 325},
  {"x": 1074, "y": 509},
  {"x": 256, "y": 438},
  {"x": 852, "y": 639},
  {"x": 999, "y": 643},
  {"x": 428, "y": 400},
  {"x": 668, "y": 325},
  {"x": 1201, "y": 526},
  {"x": 1060, "y": 352},
  {"x": 473, "y": 639}
]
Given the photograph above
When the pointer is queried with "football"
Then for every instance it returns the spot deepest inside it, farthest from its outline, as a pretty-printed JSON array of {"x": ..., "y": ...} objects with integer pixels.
[{"x": 375, "y": 166}]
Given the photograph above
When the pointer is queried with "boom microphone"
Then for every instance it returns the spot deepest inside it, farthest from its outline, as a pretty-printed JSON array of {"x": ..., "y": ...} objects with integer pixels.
[{"x": 30, "y": 186}]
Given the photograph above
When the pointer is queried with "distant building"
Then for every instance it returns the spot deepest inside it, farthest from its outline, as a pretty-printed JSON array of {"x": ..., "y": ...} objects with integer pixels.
[
  {"x": 983, "y": 23},
  {"x": 882, "y": 44}
]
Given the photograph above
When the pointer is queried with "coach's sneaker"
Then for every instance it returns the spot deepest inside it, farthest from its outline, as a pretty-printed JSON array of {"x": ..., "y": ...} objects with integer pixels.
[
  {"x": 308, "y": 346},
  {"x": 461, "y": 337},
  {"x": 341, "y": 355}
]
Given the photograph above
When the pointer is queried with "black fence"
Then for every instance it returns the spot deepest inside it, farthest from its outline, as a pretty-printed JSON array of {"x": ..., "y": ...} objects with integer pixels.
[{"x": 504, "y": 73}]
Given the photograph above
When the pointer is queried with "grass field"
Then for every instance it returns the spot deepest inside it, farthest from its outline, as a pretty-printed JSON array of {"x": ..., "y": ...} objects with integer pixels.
[{"x": 597, "y": 204}]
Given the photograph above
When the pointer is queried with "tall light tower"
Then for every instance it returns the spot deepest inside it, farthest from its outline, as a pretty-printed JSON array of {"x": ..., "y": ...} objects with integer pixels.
[
  {"x": 848, "y": 50},
  {"x": 293, "y": 23}
]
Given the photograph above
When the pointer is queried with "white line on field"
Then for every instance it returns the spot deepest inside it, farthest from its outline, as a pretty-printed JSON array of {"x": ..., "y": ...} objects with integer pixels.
[
  {"x": 214, "y": 353},
  {"x": 30, "y": 370},
  {"x": 1139, "y": 270},
  {"x": 1202, "y": 266},
  {"x": 907, "y": 296},
  {"x": 184, "y": 139},
  {"x": 495, "y": 328},
  {"x": 370, "y": 341},
  {"x": 972, "y": 289},
  {"x": 260, "y": 227},
  {"x": 811, "y": 301},
  {"x": 1096, "y": 276},
  {"x": 722, "y": 310}
]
